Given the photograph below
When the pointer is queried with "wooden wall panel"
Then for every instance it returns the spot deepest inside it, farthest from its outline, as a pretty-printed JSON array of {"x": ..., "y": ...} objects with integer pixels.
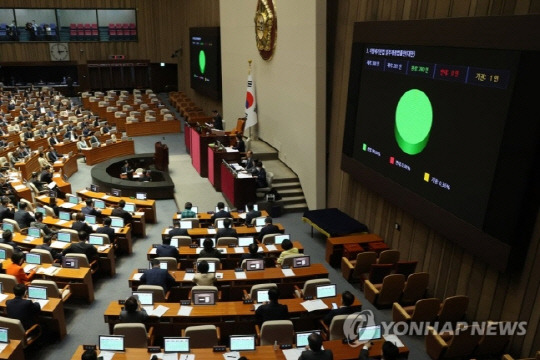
[{"x": 494, "y": 296}]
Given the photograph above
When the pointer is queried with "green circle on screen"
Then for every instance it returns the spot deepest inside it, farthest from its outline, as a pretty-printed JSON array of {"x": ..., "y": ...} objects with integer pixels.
[
  {"x": 414, "y": 117},
  {"x": 202, "y": 61}
]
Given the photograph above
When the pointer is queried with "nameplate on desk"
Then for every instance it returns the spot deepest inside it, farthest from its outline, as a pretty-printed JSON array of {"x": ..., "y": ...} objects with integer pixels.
[
  {"x": 285, "y": 267},
  {"x": 285, "y": 346},
  {"x": 190, "y": 270},
  {"x": 219, "y": 348},
  {"x": 121, "y": 302},
  {"x": 154, "y": 349},
  {"x": 193, "y": 246},
  {"x": 155, "y": 245},
  {"x": 239, "y": 269},
  {"x": 308, "y": 297},
  {"x": 232, "y": 245},
  {"x": 89, "y": 347},
  {"x": 248, "y": 301},
  {"x": 185, "y": 302},
  {"x": 141, "y": 270}
]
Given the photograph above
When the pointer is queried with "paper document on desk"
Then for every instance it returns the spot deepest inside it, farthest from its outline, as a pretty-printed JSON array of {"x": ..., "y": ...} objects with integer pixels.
[
  {"x": 159, "y": 311},
  {"x": 189, "y": 276},
  {"x": 231, "y": 355},
  {"x": 83, "y": 191},
  {"x": 394, "y": 340},
  {"x": 51, "y": 185},
  {"x": 68, "y": 205},
  {"x": 105, "y": 197},
  {"x": 103, "y": 248},
  {"x": 153, "y": 251},
  {"x": 148, "y": 308},
  {"x": 61, "y": 222},
  {"x": 3, "y": 346},
  {"x": 271, "y": 247},
  {"x": 3, "y": 297},
  {"x": 41, "y": 303},
  {"x": 138, "y": 213},
  {"x": 107, "y": 355},
  {"x": 239, "y": 250},
  {"x": 230, "y": 149},
  {"x": 258, "y": 228},
  {"x": 244, "y": 176},
  {"x": 292, "y": 354},
  {"x": 29, "y": 267},
  {"x": 185, "y": 310},
  {"x": 288, "y": 272},
  {"x": 19, "y": 187},
  {"x": 137, "y": 276},
  {"x": 50, "y": 271},
  {"x": 240, "y": 275},
  {"x": 312, "y": 305},
  {"x": 242, "y": 216},
  {"x": 59, "y": 244},
  {"x": 211, "y": 231}
]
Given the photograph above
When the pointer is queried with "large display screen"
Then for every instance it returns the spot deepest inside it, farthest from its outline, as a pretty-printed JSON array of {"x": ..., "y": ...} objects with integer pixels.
[{"x": 205, "y": 61}]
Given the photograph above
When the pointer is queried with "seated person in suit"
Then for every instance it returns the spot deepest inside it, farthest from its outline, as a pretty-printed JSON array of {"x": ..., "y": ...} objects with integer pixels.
[
  {"x": 120, "y": 212},
  {"x": 47, "y": 246},
  {"x": 23, "y": 217},
  {"x": 240, "y": 144},
  {"x": 221, "y": 213},
  {"x": 43, "y": 162},
  {"x": 89, "y": 208},
  {"x": 253, "y": 253},
  {"x": 80, "y": 225},
  {"x": 133, "y": 311},
  {"x": 107, "y": 229},
  {"x": 346, "y": 308},
  {"x": 22, "y": 309},
  {"x": 314, "y": 349},
  {"x": 209, "y": 250},
  {"x": 177, "y": 230},
  {"x": 46, "y": 175},
  {"x": 202, "y": 277},
  {"x": 249, "y": 162},
  {"x": 81, "y": 144},
  {"x": 82, "y": 247},
  {"x": 7, "y": 211},
  {"x": 226, "y": 230},
  {"x": 288, "y": 250},
  {"x": 53, "y": 155},
  {"x": 268, "y": 228},
  {"x": 16, "y": 269},
  {"x": 127, "y": 169},
  {"x": 40, "y": 225},
  {"x": 166, "y": 250},
  {"x": 272, "y": 310},
  {"x": 251, "y": 214},
  {"x": 187, "y": 212},
  {"x": 158, "y": 276},
  {"x": 260, "y": 174},
  {"x": 389, "y": 351}
]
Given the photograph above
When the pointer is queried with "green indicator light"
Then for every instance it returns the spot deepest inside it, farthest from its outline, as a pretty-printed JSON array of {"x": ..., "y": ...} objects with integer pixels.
[
  {"x": 414, "y": 117},
  {"x": 364, "y": 147},
  {"x": 202, "y": 61}
]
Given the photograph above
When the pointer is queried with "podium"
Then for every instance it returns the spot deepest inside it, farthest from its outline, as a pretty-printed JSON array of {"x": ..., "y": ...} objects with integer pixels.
[
  {"x": 161, "y": 156},
  {"x": 237, "y": 190}
]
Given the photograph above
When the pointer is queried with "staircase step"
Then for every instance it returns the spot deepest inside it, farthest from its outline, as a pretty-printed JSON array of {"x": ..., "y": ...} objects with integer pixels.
[
  {"x": 295, "y": 208},
  {"x": 290, "y": 192},
  {"x": 285, "y": 183},
  {"x": 286, "y": 200}
]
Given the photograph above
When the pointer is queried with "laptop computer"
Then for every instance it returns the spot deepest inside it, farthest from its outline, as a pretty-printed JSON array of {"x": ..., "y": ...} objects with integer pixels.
[
  {"x": 260, "y": 221},
  {"x": 90, "y": 219},
  {"x": 95, "y": 240},
  {"x": 203, "y": 297},
  {"x": 367, "y": 333},
  {"x": 254, "y": 264},
  {"x": 278, "y": 239},
  {"x": 70, "y": 263},
  {"x": 145, "y": 297},
  {"x": 242, "y": 342},
  {"x": 34, "y": 232},
  {"x": 140, "y": 196},
  {"x": 116, "y": 192},
  {"x": 117, "y": 222},
  {"x": 245, "y": 240},
  {"x": 176, "y": 344},
  {"x": 325, "y": 291},
  {"x": 99, "y": 204},
  {"x": 262, "y": 296},
  {"x": 37, "y": 292},
  {"x": 301, "y": 261},
  {"x": 64, "y": 215},
  {"x": 129, "y": 207},
  {"x": 302, "y": 338},
  {"x": 186, "y": 224},
  {"x": 111, "y": 343},
  {"x": 4, "y": 335}
]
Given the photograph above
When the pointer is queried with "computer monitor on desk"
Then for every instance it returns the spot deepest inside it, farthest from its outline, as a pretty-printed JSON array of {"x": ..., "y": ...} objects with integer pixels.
[
  {"x": 4, "y": 335},
  {"x": 203, "y": 297},
  {"x": 242, "y": 342},
  {"x": 111, "y": 343},
  {"x": 176, "y": 344},
  {"x": 129, "y": 207},
  {"x": 140, "y": 196},
  {"x": 117, "y": 222},
  {"x": 99, "y": 204},
  {"x": 64, "y": 215}
]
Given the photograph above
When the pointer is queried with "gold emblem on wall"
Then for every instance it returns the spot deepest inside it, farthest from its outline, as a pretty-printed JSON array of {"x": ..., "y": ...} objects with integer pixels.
[{"x": 265, "y": 28}]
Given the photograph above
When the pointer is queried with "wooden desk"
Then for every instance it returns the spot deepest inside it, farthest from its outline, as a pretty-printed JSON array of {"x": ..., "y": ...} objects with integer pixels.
[
  {"x": 231, "y": 316},
  {"x": 148, "y": 205},
  {"x": 334, "y": 246},
  {"x": 28, "y": 167},
  {"x": 66, "y": 147},
  {"x": 205, "y": 219},
  {"x": 67, "y": 167},
  {"x": 232, "y": 288},
  {"x": 199, "y": 148},
  {"x": 102, "y": 153},
  {"x": 52, "y": 313},
  {"x": 240, "y": 230},
  {"x": 143, "y": 128},
  {"x": 215, "y": 158},
  {"x": 79, "y": 280},
  {"x": 237, "y": 191},
  {"x": 13, "y": 351},
  {"x": 36, "y": 143}
]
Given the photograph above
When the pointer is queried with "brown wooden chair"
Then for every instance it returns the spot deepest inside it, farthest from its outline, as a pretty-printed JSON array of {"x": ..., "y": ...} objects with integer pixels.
[{"x": 385, "y": 294}]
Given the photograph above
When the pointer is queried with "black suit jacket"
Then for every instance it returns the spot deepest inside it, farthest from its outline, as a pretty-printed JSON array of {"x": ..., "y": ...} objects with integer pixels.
[
  {"x": 108, "y": 231},
  {"x": 23, "y": 218},
  {"x": 6, "y": 213},
  {"x": 82, "y": 226},
  {"x": 364, "y": 355},
  {"x": 319, "y": 355},
  {"x": 157, "y": 276},
  {"x": 167, "y": 250},
  {"x": 178, "y": 232},
  {"x": 82, "y": 248},
  {"x": 24, "y": 310},
  {"x": 271, "y": 311},
  {"x": 268, "y": 229},
  {"x": 342, "y": 310},
  {"x": 252, "y": 215},
  {"x": 123, "y": 214},
  {"x": 229, "y": 232},
  {"x": 221, "y": 214},
  {"x": 54, "y": 252}
]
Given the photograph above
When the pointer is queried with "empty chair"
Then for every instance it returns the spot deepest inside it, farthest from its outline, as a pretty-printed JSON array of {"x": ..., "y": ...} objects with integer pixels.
[
  {"x": 453, "y": 309},
  {"x": 202, "y": 336},
  {"x": 415, "y": 288},
  {"x": 405, "y": 267},
  {"x": 49, "y": 210},
  {"x": 334, "y": 331},
  {"x": 385, "y": 294},
  {"x": 424, "y": 310},
  {"x": 352, "y": 270},
  {"x": 310, "y": 288},
  {"x": 377, "y": 273},
  {"x": 46, "y": 257},
  {"x": 227, "y": 241},
  {"x": 452, "y": 345},
  {"x": 289, "y": 260},
  {"x": 253, "y": 292},
  {"x": 172, "y": 263},
  {"x": 8, "y": 282},
  {"x": 269, "y": 239},
  {"x": 53, "y": 290},
  {"x": 16, "y": 331},
  {"x": 182, "y": 240},
  {"x": 493, "y": 342},
  {"x": 275, "y": 331},
  {"x": 135, "y": 334},
  {"x": 388, "y": 257},
  {"x": 159, "y": 294}
]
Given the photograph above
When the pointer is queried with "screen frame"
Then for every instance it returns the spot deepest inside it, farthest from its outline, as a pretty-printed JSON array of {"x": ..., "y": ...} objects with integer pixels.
[{"x": 243, "y": 349}]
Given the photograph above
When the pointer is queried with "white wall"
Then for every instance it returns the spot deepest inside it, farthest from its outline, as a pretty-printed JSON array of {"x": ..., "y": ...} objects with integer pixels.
[{"x": 290, "y": 87}]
